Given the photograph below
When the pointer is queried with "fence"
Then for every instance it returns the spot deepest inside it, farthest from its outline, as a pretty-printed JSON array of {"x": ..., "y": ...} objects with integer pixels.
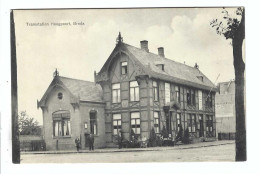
[
  {"x": 33, "y": 145},
  {"x": 226, "y": 136}
]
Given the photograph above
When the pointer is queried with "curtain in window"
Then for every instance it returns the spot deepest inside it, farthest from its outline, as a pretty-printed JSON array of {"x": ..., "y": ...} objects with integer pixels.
[
  {"x": 156, "y": 122},
  {"x": 135, "y": 122}
]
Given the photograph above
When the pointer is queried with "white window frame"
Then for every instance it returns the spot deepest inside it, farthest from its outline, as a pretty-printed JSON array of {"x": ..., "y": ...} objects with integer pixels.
[
  {"x": 117, "y": 123},
  {"x": 136, "y": 122},
  {"x": 156, "y": 122},
  {"x": 134, "y": 91},
  {"x": 167, "y": 92},
  {"x": 116, "y": 94}
]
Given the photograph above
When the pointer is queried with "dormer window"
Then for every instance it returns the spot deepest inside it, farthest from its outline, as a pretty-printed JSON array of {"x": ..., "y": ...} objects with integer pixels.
[
  {"x": 161, "y": 66},
  {"x": 200, "y": 78},
  {"x": 123, "y": 68}
]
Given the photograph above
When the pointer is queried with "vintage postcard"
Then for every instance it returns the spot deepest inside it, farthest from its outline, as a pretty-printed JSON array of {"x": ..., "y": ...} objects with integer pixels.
[{"x": 128, "y": 85}]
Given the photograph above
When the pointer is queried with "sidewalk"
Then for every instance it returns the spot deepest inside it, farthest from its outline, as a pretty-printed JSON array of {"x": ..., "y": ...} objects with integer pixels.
[{"x": 108, "y": 150}]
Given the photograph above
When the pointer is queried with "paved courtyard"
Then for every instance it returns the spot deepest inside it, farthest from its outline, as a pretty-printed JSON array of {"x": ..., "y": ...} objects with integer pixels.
[{"x": 224, "y": 152}]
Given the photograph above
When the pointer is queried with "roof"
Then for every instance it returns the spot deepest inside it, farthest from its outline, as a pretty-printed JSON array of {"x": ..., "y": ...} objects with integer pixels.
[
  {"x": 79, "y": 90},
  {"x": 85, "y": 90},
  {"x": 173, "y": 71}
]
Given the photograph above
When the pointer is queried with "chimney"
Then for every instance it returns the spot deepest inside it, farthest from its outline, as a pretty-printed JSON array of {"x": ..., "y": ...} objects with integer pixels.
[
  {"x": 144, "y": 45},
  {"x": 161, "y": 51}
]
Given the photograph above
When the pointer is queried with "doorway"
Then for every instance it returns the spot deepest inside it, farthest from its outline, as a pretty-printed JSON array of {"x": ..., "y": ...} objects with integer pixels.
[
  {"x": 87, "y": 140},
  {"x": 169, "y": 123},
  {"x": 201, "y": 128}
]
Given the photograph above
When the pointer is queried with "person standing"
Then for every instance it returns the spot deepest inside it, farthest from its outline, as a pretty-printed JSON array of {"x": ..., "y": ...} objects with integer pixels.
[
  {"x": 77, "y": 142},
  {"x": 91, "y": 141}
]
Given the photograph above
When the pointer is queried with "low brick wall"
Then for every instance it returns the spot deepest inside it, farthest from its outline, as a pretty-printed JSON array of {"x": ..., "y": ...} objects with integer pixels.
[{"x": 32, "y": 143}]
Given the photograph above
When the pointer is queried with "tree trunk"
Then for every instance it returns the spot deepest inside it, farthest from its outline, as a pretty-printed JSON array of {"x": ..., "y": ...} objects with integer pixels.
[{"x": 239, "y": 67}]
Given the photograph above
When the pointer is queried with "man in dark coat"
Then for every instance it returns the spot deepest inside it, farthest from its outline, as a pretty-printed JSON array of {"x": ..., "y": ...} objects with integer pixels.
[
  {"x": 77, "y": 142},
  {"x": 91, "y": 141}
]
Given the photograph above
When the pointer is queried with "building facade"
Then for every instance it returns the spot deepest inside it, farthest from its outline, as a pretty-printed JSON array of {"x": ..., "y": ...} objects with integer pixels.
[
  {"x": 143, "y": 90},
  {"x": 225, "y": 110},
  {"x": 139, "y": 91},
  {"x": 72, "y": 109}
]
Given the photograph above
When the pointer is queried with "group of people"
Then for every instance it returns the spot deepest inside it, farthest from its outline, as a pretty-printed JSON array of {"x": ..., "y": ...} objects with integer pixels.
[{"x": 90, "y": 140}]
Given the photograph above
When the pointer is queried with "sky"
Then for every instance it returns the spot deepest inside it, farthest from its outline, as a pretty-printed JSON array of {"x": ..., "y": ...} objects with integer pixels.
[{"x": 79, "y": 50}]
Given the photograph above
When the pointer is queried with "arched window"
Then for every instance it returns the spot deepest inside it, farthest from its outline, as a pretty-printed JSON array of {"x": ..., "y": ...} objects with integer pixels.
[
  {"x": 61, "y": 124},
  {"x": 93, "y": 122}
]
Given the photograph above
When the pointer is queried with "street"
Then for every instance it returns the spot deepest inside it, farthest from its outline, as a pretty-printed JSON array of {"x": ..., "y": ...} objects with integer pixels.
[{"x": 212, "y": 153}]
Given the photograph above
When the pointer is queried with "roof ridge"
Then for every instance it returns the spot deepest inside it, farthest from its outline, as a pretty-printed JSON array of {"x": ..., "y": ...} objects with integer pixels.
[
  {"x": 76, "y": 79},
  {"x": 162, "y": 58}
]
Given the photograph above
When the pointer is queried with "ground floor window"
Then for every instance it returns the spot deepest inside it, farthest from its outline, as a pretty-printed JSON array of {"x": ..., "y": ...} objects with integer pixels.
[
  {"x": 117, "y": 125},
  {"x": 135, "y": 122},
  {"x": 178, "y": 121},
  {"x": 209, "y": 125},
  {"x": 156, "y": 122},
  {"x": 61, "y": 124},
  {"x": 191, "y": 122}
]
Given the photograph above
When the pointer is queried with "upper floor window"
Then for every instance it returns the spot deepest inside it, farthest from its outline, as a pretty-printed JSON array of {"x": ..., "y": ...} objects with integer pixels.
[
  {"x": 177, "y": 90},
  {"x": 155, "y": 91},
  {"x": 117, "y": 125},
  {"x": 123, "y": 68},
  {"x": 193, "y": 99},
  {"x": 156, "y": 122},
  {"x": 116, "y": 93},
  {"x": 135, "y": 122},
  {"x": 61, "y": 124},
  {"x": 200, "y": 99},
  {"x": 60, "y": 96},
  {"x": 190, "y": 97},
  {"x": 134, "y": 91},
  {"x": 167, "y": 93},
  {"x": 209, "y": 100},
  {"x": 93, "y": 122}
]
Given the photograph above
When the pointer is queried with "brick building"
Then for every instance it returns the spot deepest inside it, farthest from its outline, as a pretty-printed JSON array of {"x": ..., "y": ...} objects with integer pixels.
[
  {"x": 135, "y": 90},
  {"x": 225, "y": 110},
  {"x": 72, "y": 108}
]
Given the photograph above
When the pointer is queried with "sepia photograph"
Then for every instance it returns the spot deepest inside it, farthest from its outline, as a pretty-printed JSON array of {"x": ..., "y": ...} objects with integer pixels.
[{"x": 128, "y": 85}]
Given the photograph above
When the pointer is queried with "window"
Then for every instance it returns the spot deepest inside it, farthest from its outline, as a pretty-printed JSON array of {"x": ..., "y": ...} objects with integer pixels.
[
  {"x": 116, "y": 93},
  {"x": 61, "y": 124},
  {"x": 156, "y": 122},
  {"x": 117, "y": 125},
  {"x": 193, "y": 101},
  {"x": 209, "y": 123},
  {"x": 200, "y": 99},
  {"x": 123, "y": 68},
  {"x": 209, "y": 100},
  {"x": 93, "y": 122},
  {"x": 191, "y": 122},
  {"x": 177, "y": 90},
  {"x": 134, "y": 91},
  {"x": 191, "y": 97},
  {"x": 135, "y": 122},
  {"x": 60, "y": 95},
  {"x": 188, "y": 97},
  {"x": 155, "y": 91},
  {"x": 167, "y": 93},
  {"x": 178, "y": 121}
]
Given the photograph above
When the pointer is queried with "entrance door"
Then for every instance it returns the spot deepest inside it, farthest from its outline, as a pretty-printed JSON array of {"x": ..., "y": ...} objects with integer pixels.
[
  {"x": 169, "y": 123},
  {"x": 86, "y": 140},
  {"x": 201, "y": 126}
]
